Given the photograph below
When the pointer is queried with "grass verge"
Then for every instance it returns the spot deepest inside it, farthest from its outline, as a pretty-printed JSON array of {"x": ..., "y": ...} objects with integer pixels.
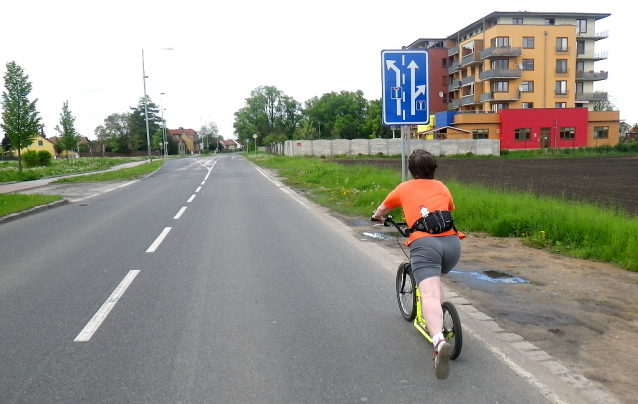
[
  {"x": 13, "y": 203},
  {"x": 580, "y": 230},
  {"x": 121, "y": 175}
]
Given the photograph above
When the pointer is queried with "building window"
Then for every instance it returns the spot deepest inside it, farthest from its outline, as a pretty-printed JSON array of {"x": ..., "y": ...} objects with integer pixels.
[
  {"x": 561, "y": 45},
  {"x": 499, "y": 106},
  {"x": 500, "y": 41},
  {"x": 580, "y": 47},
  {"x": 444, "y": 80},
  {"x": 580, "y": 66},
  {"x": 480, "y": 134},
  {"x": 528, "y": 64},
  {"x": 581, "y": 26},
  {"x": 444, "y": 62},
  {"x": 517, "y": 21},
  {"x": 561, "y": 87},
  {"x": 580, "y": 87},
  {"x": 40, "y": 143},
  {"x": 527, "y": 87},
  {"x": 521, "y": 133},
  {"x": 567, "y": 133},
  {"x": 500, "y": 64},
  {"x": 550, "y": 21},
  {"x": 501, "y": 86},
  {"x": 561, "y": 65},
  {"x": 560, "y": 105},
  {"x": 528, "y": 42},
  {"x": 601, "y": 132},
  {"x": 528, "y": 105}
]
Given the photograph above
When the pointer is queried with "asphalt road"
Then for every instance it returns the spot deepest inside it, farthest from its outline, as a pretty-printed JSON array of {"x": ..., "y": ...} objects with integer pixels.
[{"x": 209, "y": 282}]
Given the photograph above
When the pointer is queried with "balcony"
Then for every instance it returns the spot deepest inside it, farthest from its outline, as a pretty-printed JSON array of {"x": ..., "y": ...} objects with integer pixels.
[
  {"x": 501, "y": 52},
  {"x": 456, "y": 103},
  {"x": 595, "y": 57},
  {"x": 595, "y": 37},
  {"x": 454, "y": 85},
  {"x": 466, "y": 81},
  {"x": 590, "y": 97},
  {"x": 472, "y": 58},
  {"x": 591, "y": 76},
  {"x": 500, "y": 74},
  {"x": 453, "y": 51},
  {"x": 471, "y": 99},
  {"x": 498, "y": 96},
  {"x": 453, "y": 67}
]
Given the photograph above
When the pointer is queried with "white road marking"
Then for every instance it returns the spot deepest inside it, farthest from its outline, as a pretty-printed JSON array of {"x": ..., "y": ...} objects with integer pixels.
[
  {"x": 203, "y": 182},
  {"x": 179, "y": 214},
  {"x": 190, "y": 199},
  {"x": 92, "y": 326},
  {"x": 158, "y": 240},
  {"x": 198, "y": 189}
]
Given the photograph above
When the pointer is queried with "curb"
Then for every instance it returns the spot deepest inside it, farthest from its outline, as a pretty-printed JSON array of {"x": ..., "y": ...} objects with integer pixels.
[{"x": 36, "y": 209}]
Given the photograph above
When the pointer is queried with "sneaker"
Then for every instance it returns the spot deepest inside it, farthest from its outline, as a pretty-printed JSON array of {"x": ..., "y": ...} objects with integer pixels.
[{"x": 442, "y": 360}]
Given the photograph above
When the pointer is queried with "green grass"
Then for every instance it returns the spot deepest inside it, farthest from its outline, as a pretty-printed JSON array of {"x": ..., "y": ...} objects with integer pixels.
[
  {"x": 9, "y": 169},
  {"x": 580, "y": 230},
  {"x": 121, "y": 175},
  {"x": 12, "y": 203}
]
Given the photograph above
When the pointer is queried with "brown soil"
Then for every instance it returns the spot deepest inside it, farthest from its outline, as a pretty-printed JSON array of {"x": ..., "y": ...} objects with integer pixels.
[{"x": 583, "y": 313}]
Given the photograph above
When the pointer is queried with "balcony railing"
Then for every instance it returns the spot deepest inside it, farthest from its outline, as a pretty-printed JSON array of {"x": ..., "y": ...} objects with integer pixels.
[
  {"x": 467, "y": 80},
  {"x": 498, "y": 96},
  {"x": 454, "y": 85},
  {"x": 595, "y": 96},
  {"x": 595, "y": 57},
  {"x": 500, "y": 74},
  {"x": 596, "y": 36},
  {"x": 469, "y": 100},
  {"x": 453, "y": 51},
  {"x": 470, "y": 59},
  {"x": 453, "y": 67},
  {"x": 501, "y": 52},
  {"x": 591, "y": 76}
]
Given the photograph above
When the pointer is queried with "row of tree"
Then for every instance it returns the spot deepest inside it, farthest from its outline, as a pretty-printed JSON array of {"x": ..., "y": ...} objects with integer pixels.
[
  {"x": 21, "y": 120},
  {"x": 274, "y": 117}
]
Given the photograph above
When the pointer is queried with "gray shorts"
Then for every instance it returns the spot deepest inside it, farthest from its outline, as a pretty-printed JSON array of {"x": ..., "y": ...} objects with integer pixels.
[{"x": 433, "y": 256}]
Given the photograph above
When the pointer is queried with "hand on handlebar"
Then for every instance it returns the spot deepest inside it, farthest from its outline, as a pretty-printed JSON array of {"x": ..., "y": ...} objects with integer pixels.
[{"x": 378, "y": 219}]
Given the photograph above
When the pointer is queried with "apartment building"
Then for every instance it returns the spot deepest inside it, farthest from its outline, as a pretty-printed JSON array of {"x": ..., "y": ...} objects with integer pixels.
[{"x": 527, "y": 61}]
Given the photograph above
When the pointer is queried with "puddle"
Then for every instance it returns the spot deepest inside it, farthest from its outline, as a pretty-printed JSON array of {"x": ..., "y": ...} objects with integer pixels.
[
  {"x": 379, "y": 236},
  {"x": 493, "y": 276}
]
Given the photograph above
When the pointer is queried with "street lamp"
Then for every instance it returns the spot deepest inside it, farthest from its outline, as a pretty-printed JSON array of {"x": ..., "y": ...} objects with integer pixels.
[
  {"x": 163, "y": 127},
  {"x": 148, "y": 137}
]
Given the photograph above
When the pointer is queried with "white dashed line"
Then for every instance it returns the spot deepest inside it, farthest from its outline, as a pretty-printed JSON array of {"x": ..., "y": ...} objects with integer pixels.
[
  {"x": 191, "y": 199},
  {"x": 158, "y": 240},
  {"x": 179, "y": 214}
]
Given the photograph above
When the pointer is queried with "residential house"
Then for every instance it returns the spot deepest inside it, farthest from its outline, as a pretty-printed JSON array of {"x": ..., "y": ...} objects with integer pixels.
[
  {"x": 187, "y": 140},
  {"x": 40, "y": 143},
  {"x": 230, "y": 145},
  {"x": 63, "y": 153}
]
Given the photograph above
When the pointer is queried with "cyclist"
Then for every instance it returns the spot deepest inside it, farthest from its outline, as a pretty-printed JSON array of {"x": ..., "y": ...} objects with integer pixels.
[{"x": 431, "y": 255}]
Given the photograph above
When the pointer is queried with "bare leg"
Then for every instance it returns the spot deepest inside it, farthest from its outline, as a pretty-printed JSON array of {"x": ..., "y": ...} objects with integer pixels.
[{"x": 432, "y": 295}]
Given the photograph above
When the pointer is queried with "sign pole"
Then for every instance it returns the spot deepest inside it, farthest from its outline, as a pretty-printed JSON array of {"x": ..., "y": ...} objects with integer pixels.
[{"x": 402, "y": 153}]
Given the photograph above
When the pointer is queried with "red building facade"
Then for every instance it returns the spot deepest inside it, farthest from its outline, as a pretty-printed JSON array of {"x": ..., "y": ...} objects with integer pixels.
[{"x": 543, "y": 128}]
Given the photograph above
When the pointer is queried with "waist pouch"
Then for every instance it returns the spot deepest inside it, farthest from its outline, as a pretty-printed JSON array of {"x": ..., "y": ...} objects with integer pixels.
[{"x": 436, "y": 222}]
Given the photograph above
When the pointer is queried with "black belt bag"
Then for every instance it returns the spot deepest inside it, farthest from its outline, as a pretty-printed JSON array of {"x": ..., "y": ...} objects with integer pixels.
[{"x": 436, "y": 222}]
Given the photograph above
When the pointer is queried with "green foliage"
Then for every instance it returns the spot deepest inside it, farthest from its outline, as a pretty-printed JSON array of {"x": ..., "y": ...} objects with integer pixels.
[
  {"x": 122, "y": 174},
  {"x": 66, "y": 129},
  {"x": 341, "y": 115},
  {"x": 9, "y": 169},
  {"x": 20, "y": 119},
  {"x": 44, "y": 158},
  {"x": 137, "y": 123},
  {"x": 30, "y": 158},
  {"x": 578, "y": 229}
]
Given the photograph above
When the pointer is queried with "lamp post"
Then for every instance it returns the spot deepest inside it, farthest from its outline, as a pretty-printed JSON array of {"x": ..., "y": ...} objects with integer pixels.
[
  {"x": 163, "y": 127},
  {"x": 148, "y": 137}
]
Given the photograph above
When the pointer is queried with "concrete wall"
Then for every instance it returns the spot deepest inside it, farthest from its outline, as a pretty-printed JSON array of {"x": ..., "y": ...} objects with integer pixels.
[{"x": 389, "y": 147}]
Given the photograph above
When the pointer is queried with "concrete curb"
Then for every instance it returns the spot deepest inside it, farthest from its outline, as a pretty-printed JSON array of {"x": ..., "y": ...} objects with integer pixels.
[{"x": 36, "y": 209}]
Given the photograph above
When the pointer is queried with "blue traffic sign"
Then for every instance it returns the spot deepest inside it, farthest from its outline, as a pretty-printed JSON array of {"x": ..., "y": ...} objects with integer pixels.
[{"x": 405, "y": 95}]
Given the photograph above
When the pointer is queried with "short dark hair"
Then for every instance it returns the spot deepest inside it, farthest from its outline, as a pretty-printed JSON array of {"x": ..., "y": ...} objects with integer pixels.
[{"x": 422, "y": 164}]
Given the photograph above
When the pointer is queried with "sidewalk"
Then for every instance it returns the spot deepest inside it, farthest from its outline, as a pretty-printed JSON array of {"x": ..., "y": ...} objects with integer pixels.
[{"x": 20, "y": 186}]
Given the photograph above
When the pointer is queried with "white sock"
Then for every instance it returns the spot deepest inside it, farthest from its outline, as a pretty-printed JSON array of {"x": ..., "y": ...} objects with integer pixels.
[{"x": 435, "y": 339}]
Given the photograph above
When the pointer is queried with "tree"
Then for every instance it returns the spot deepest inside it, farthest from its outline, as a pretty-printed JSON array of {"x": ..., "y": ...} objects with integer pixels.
[
  {"x": 68, "y": 134},
  {"x": 208, "y": 134},
  {"x": 116, "y": 132},
  {"x": 20, "y": 119},
  {"x": 137, "y": 121},
  {"x": 341, "y": 115},
  {"x": 604, "y": 105},
  {"x": 269, "y": 114},
  {"x": 372, "y": 125}
]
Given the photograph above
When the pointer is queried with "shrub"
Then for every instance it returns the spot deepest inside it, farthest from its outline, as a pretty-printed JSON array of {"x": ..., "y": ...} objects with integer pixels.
[
  {"x": 30, "y": 158},
  {"x": 44, "y": 158}
]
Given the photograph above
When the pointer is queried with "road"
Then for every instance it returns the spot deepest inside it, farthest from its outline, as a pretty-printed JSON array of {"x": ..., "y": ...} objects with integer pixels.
[{"x": 211, "y": 282}]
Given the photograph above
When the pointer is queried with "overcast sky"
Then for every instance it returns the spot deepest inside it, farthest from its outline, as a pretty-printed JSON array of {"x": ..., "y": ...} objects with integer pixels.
[{"x": 90, "y": 52}]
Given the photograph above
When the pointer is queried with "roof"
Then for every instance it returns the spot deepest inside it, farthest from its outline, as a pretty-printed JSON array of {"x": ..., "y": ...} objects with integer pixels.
[
  {"x": 441, "y": 128},
  {"x": 55, "y": 139},
  {"x": 182, "y": 131}
]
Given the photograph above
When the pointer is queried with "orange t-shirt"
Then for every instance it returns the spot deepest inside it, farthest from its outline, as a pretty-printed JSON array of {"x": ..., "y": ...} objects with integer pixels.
[{"x": 413, "y": 194}]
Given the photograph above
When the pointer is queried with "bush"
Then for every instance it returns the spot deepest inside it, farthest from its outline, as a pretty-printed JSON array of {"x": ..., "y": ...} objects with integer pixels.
[
  {"x": 30, "y": 158},
  {"x": 44, "y": 158}
]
